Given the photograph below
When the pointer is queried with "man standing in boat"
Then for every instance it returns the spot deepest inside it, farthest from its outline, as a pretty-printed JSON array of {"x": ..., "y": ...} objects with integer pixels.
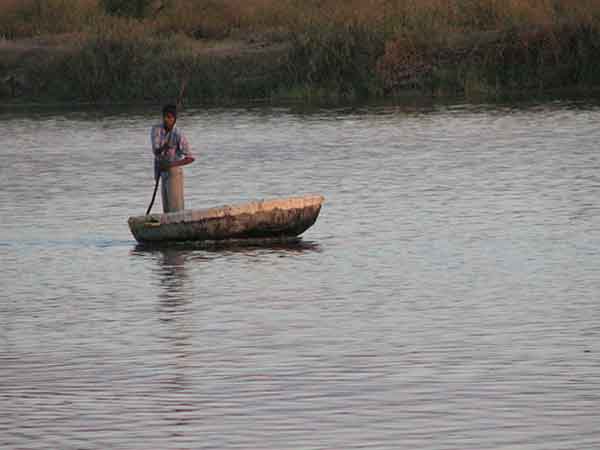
[{"x": 171, "y": 151}]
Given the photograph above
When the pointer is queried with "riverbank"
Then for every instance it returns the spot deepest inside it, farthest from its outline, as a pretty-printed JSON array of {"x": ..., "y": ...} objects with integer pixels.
[{"x": 327, "y": 56}]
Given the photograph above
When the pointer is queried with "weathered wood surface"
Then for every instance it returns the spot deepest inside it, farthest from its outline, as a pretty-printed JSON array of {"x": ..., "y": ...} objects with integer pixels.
[
  {"x": 172, "y": 190},
  {"x": 265, "y": 219}
]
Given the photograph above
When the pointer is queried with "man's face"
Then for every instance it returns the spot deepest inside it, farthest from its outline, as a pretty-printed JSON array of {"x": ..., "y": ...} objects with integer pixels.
[{"x": 168, "y": 121}]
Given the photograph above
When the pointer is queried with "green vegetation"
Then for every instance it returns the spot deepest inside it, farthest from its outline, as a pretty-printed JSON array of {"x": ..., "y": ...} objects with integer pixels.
[
  {"x": 130, "y": 8},
  {"x": 146, "y": 50}
]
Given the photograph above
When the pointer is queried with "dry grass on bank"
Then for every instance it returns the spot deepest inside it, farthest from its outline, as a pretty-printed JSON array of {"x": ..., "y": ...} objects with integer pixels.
[
  {"x": 221, "y": 18},
  {"x": 28, "y": 18}
]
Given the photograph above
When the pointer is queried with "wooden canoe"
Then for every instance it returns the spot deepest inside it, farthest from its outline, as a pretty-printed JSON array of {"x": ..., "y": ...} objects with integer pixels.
[{"x": 261, "y": 220}]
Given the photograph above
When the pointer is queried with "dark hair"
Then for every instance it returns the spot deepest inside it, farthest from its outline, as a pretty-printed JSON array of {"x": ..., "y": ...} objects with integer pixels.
[{"x": 170, "y": 109}]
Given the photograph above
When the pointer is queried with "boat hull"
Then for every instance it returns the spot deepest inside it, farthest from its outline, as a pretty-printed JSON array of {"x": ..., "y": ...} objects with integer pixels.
[{"x": 262, "y": 220}]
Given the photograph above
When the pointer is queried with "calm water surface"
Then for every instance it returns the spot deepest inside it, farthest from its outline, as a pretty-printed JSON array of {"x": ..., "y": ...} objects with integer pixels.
[{"x": 446, "y": 298}]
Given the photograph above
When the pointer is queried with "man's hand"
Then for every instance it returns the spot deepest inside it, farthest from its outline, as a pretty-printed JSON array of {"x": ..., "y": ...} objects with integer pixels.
[{"x": 163, "y": 166}]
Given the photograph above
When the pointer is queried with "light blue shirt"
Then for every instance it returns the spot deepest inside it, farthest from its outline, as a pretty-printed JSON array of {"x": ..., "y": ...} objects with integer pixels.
[{"x": 179, "y": 148}]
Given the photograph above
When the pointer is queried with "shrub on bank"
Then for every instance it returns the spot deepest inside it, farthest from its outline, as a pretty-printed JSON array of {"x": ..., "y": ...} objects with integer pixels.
[
  {"x": 535, "y": 58},
  {"x": 338, "y": 59},
  {"x": 26, "y": 18},
  {"x": 127, "y": 8},
  {"x": 117, "y": 67},
  {"x": 122, "y": 65}
]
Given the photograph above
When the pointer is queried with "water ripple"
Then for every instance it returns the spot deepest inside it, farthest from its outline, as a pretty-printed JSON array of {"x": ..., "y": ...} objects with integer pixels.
[{"x": 445, "y": 298}]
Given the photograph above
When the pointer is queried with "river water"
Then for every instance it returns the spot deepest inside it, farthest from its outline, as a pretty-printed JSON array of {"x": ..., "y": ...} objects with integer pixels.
[{"x": 448, "y": 296}]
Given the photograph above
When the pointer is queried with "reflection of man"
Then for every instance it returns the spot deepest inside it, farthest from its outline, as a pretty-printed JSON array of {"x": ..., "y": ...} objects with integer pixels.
[{"x": 171, "y": 151}]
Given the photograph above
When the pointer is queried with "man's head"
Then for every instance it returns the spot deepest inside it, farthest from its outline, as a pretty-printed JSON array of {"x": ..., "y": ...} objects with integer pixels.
[{"x": 169, "y": 116}]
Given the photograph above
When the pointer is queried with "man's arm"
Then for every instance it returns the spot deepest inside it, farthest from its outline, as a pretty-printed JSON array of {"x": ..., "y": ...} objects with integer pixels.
[
  {"x": 184, "y": 147},
  {"x": 164, "y": 165},
  {"x": 155, "y": 141}
]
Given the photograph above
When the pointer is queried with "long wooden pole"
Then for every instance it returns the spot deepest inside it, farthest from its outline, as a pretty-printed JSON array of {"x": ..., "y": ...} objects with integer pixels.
[{"x": 153, "y": 194}]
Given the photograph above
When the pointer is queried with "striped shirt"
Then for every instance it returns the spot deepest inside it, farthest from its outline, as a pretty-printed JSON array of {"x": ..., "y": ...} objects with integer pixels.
[{"x": 179, "y": 148}]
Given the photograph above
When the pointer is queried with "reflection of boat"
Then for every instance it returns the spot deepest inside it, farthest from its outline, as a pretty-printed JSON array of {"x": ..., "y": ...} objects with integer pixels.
[
  {"x": 188, "y": 250},
  {"x": 255, "y": 222}
]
